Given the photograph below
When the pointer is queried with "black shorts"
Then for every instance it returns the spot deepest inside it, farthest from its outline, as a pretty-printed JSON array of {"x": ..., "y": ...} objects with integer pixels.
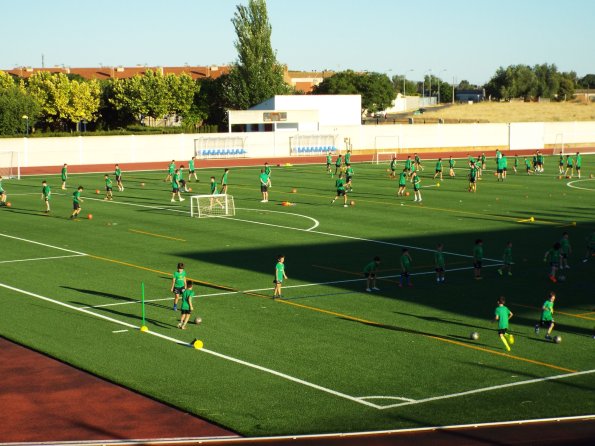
[
  {"x": 472, "y": 180},
  {"x": 340, "y": 193},
  {"x": 191, "y": 172},
  {"x": 477, "y": 264},
  {"x": 528, "y": 169},
  {"x": 578, "y": 168},
  {"x": 108, "y": 189},
  {"x": 502, "y": 331},
  {"x": 178, "y": 290},
  {"x": 328, "y": 165},
  {"x": 370, "y": 275},
  {"x": 555, "y": 264},
  {"x": 438, "y": 170},
  {"x": 277, "y": 282},
  {"x": 76, "y": 206},
  {"x": 175, "y": 189},
  {"x": 546, "y": 324},
  {"x": 504, "y": 169},
  {"x": 404, "y": 273},
  {"x": 564, "y": 256},
  {"x": 183, "y": 182},
  {"x": 348, "y": 179},
  {"x": 118, "y": 178},
  {"x": 264, "y": 188},
  {"x": 403, "y": 185},
  {"x": 440, "y": 270},
  {"x": 499, "y": 170},
  {"x": 415, "y": 188},
  {"x": 186, "y": 311}
]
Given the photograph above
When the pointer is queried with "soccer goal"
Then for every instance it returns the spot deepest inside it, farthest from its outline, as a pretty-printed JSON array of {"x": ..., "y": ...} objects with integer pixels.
[
  {"x": 10, "y": 166},
  {"x": 385, "y": 148},
  {"x": 559, "y": 144},
  {"x": 218, "y": 205}
]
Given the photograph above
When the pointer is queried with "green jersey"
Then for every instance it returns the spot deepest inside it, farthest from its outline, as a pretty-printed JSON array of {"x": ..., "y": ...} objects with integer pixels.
[
  {"x": 264, "y": 179},
  {"x": 473, "y": 173},
  {"x": 439, "y": 259},
  {"x": 472, "y": 160},
  {"x": 565, "y": 246},
  {"x": 280, "y": 271},
  {"x": 175, "y": 178},
  {"x": 569, "y": 161},
  {"x": 540, "y": 159},
  {"x": 267, "y": 170},
  {"x": 349, "y": 171},
  {"x": 403, "y": 179},
  {"x": 483, "y": 158},
  {"x": 329, "y": 159},
  {"x": 507, "y": 256},
  {"x": 504, "y": 162},
  {"x": 180, "y": 279},
  {"x": 118, "y": 172},
  {"x": 191, "y": 165},
  {"x": 224, "y": 179},
  {"x": 213, "y": 187},
  {"x": 108, "y": 183},
  {"x": 553, "y": 255},
  {"x": 171, "y": 168},
  {"x": 439, "y": 166},
  {"x": 405, "y": 262},
  {"x": 371, "y": 267},
  {"x": 408, "y": 163},
  {"x": 340, "y": 184},
  {"x": 417, "y": 160},
  {"x": 561, "y": 161},
  {"x": 180, "y": 174},
  {"x": 339, "y": 162},
  {"x": 547, "y": 313},
  {"x": 503, "y": 314},
  {"x": 478, "y": 253},
  {"x": 186, "y": 300},
  {"x": 1, "y": 188},
  {"x": 76, "y": 196},
  {"x": 516, "y": 161},
  {"x": 416, "y": 182},
  {"x": 527, "y": 163},
  {"x": 393, "y": 165},
  {"x": 579, "y": 160},
  {"x": 45, "y": 191},
  {"x": 451, "y": 163},
  {"x": 347, "y": 157},
  {"x": 64, "y": 174}
]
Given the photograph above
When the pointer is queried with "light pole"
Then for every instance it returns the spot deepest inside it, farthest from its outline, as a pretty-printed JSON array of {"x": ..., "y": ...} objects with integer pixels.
[
  {"x": 441, "y": 71},
  {"x": 430, "y": 95},
  {"x": 26, "y": 118},
  {"x": 404, "y": 78}
]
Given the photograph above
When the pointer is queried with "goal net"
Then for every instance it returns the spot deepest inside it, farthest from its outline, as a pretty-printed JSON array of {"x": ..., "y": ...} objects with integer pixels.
[
  {"x": 385, "y": 148},
  {"x": 10, "y": 166},
  {"x": 219, "y": 147},
  {"x": 218, "y": 205},
  {"x": 558, "y": 145},
  {"x": 312, "y": 144}
]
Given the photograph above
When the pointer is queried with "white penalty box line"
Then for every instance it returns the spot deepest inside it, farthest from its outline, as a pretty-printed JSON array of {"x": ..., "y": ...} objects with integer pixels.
[{"x": 360, "y": 400}]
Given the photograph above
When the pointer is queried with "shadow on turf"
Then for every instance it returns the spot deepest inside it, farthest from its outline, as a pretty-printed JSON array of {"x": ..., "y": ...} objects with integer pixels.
[
  {"x": 113, "y": 296},
  {"x": 155, "y": 322}
]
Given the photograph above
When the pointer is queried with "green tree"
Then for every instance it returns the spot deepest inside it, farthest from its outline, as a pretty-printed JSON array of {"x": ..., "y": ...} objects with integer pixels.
[
  {"x": 256, "y": 76},
  {"x": 587, "y": 81},
  {"x": 410, "y": 86},
  {"x": 14, "y": 104},
  {"x": 6, "y": 81}
]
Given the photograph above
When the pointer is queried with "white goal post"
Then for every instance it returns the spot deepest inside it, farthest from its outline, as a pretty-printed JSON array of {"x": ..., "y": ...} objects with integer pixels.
[
  {"x": 559, "y": 145},
  {"x": 385, "y": 148},
  {"x": 10, "y": 165},
  {"x": 218, "y": 205}
]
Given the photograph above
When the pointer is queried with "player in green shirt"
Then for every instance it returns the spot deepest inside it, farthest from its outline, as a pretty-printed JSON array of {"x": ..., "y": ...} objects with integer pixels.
[
  {"x": 178, "y": 283},
  {"x": 76, "y": 202},
  {"x": 516, "y": 164},
  {"x": 438, "y": 169},
  {"x": 192, "y": 170},
  {"x": 348, "y": 157},
  {"x": 108, "y": 188},
  {"x": 402, "y": 182},
  {"x": 473, "y": 178},
  {"x": 2, "y": 194},
  {"x": 64, "y": 175},
  {"x": 483, "y": 161},
  {"x": 406, "y": 261},
  {"x": 590, "y": 247},
  {"x": 186, "y": 307},
  {"x": 451, "y": 167},
  {"x": 46, "y": 194},
  {"x": 528, "y": 166},
  {"x": 265, "y": 183},
  {"x": 439, "y": 263},
  {"x": 417, "y": 162},
  {"x": 552, "y": 256},
  {"x": 416, "y": 187},
  {"x": 329, "y": 160},
  {"x": 540, "y": 168},
  {"x": 565, "y": 251},
  {"x": 338, "y": 164},
  {"x": 267, "y": 170},
  {"x": 171, "y": 169},
  {"x": 370, "y": 272},
  {"x": 224, "y": 181},
  {"x": 214, "y": 191},
  {"x": 348, "y": 176},
  {"x": 503, "y": 315},
  {"x": 175, "y": 186},
  {"x": 181, "y": 179},
  {"x": 280, "y": 276},
  {"x": 393, "y": 168},
  {"x": 341, "y": 192},
  {"x": 578, "y": 162},
  {"x": 561, "y": 165},
  {"x": 569, "y": 166},
  {"x": 118, "y": 175},
  {"x": 506, "y": 260},
  {"x": 408, "y": 164},
  {"x": 547, "y": 316},
  {"x": 477, "y": 258}
]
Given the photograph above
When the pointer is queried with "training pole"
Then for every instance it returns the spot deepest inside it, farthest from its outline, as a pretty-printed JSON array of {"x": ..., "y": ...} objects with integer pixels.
[{"x": 142, "y": 288}]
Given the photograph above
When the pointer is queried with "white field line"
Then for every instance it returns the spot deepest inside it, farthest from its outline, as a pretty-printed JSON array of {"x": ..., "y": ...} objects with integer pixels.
[
  {"x": 316, "y": 222},
  {"x": 42, "y": 244},
  {"x": 571, "y": 184},
  {"x": 257, "y": 290},
  {"x": 204, "y": 350},
  {"x": 43, "y": 258},
  {"x": 309, "y": 230},
  {"x": 485, "y": 389}
]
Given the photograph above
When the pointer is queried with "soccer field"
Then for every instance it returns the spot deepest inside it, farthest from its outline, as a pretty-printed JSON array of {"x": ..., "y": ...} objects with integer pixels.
[{"x": 328, "y": 357}]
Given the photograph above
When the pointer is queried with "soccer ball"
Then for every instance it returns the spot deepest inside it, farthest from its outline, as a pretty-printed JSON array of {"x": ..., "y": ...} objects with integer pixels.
[
  {"x": 198, "y": 320},
  {"x": 437, "y": 184},
  {"x": 557, "y": 339},
  {"x": 8, "y": 204},
  {"x": 90, "y": 216},
  {"x": 189, "y": 189},
  {"x": 510, "y": 339},
  {"x": 352, "y": 203},
  {"x": 294, "y": 190},
  {"x": 406, "y": 194},
  {"x": 97, "y": 191},
  {"x": 474, "y": 336},
  {"x": 197, "y": 344},
  {"x": 142, "y": 184}
]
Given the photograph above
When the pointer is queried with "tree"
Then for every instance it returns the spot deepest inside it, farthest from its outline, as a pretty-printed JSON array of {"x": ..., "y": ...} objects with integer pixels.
[
  {"x": 14, "y": 104},
  {"x": 256, "y": 76},
  {"x": 410, "y": 86},
  {"x": 6, "y": 81},
  {"x": 376, "y": 89},
  {"x": 587, "y": 81}
]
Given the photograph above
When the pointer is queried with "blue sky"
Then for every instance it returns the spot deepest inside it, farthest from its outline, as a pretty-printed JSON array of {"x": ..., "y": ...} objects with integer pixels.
[{"x": 468, "y": 39}]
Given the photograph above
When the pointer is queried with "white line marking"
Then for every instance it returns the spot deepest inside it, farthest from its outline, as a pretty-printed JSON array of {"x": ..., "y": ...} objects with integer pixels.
[
  {"x": 119, "y": 331},
  {"x": 43, "y": 258},
  {"x": 571, "y": 184},
  {"x": 487, "y": 389},
  {"x": 378, "y": 397},
  {"x": 210, "y": 352},
  {"x": 257, "y": 290},
  {"x": 316, "y": 222},
  {"x": 42, "y": 244}
]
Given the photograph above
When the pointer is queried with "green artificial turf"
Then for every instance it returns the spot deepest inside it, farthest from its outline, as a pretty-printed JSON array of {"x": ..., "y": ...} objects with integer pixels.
[{"x": 329, "y": 357}]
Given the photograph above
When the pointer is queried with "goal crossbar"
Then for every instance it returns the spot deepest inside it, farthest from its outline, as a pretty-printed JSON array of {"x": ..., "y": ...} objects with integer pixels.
[
  {"x": 217, "y": 205},
  {"x": 10, "y": 165}
]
